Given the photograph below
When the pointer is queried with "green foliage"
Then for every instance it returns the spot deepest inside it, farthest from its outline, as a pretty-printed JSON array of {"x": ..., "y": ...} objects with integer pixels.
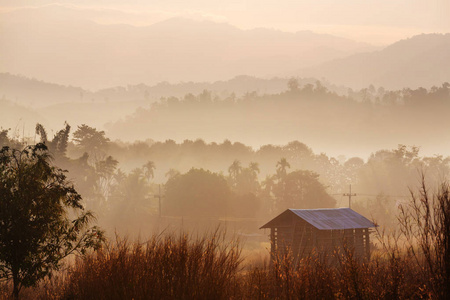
[{"x": 36, "y": 232}]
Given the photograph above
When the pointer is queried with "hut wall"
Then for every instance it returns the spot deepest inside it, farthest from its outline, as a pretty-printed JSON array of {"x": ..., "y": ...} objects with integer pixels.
[
  {"x": 352, "y": 239},
  {"x": 302, "y": 238},
  {"x": 299, "y": 238}
]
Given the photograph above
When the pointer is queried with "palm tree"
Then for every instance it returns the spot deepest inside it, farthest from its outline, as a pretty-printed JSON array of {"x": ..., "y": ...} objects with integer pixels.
[
  {"x": 235, "y": 169},
  {"x": 282, "y": 165},
  {"x": 268, "y": 183},
  {"x": 149, "y": 168},
  {"x": 254, "y": 167}
]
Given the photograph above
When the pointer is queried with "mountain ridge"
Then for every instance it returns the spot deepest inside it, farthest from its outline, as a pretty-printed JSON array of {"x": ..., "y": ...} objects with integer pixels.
[
  {"x": 177, "y": 49},
  {"x": 421, "y": 60}
]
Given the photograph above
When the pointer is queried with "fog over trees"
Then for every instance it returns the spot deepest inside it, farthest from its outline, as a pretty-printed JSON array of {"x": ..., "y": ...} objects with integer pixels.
[
  {"x": 122, "y": 181},
  {"x": 154, "y": 140}
]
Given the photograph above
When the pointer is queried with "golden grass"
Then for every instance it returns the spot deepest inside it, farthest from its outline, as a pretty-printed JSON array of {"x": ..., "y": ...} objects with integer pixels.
[{"x": 414, "y": 264}]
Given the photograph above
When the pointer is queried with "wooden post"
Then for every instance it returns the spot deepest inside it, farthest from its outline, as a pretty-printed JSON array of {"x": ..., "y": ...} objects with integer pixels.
[
  {"x": 272, "y": 240},
  {"x": 359, "y": 243},
  {"x": 367, "y": 243},
  {"x": 273, "y": 246}
]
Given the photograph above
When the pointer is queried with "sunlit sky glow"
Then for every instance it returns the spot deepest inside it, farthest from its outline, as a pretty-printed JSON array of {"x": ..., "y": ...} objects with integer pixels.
[{"x": 378, "y": 22}]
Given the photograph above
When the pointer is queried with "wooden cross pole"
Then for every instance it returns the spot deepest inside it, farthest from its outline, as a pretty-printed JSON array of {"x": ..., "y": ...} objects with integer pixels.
[
  {"x": 159, "y": 196},
  {"x": 349, "y": 195}
]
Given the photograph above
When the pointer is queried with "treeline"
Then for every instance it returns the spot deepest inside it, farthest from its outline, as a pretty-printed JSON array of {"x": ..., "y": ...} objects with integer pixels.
[
  {"x": 121, "y": 182},
  {"x": 354, "y": 121},
  {"x": 300, "y": 90},
  {"x": 30, "y": 91}
]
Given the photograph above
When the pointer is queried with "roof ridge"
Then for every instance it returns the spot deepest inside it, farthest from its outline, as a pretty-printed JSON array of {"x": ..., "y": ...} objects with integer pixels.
[{"x": 329, "y": 218}]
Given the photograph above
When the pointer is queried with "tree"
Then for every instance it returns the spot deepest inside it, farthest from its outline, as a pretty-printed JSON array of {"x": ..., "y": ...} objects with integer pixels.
[
  {"x": 282, "y": 165},
  {"x": 7, "y": 141},
  {"x": 92, "y": 141},
  {"x": 247, "y": 180},
  {"x": 254, "y": 167},
  {"x": 36, "y": 233},
  {"x": 235, "y": 169},
  {"x": 293, "y": 84},
  {"x": 105, "y": 176},
  {"x": 301, "y": 189},
  {"x": 129, "y": 201},
  {"x": 58, "y": 146},
  {"x": 149, "y": 170},
  {"x": 198, "y": 193}
]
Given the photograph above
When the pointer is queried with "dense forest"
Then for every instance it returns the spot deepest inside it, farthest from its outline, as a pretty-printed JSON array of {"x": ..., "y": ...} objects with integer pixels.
[
  {"x": 355, "y": 123},
  {"x": 123, "y": 181},
  {"x": 330, "y": 119}
]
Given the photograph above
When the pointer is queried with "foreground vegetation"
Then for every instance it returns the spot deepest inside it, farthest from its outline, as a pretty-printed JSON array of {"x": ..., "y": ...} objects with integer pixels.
[{"x": 412, "y": 264}]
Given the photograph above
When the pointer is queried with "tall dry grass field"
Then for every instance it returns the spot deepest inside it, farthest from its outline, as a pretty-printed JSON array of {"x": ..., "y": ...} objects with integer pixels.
[{"x": 414, "y": 263}]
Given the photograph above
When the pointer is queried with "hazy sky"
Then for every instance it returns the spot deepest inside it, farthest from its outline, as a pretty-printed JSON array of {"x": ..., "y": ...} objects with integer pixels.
[{"x": 375, "y": 21}]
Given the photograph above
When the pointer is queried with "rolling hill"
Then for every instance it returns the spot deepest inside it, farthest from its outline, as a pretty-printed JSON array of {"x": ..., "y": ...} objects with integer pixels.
[
  {"x": 420, "y": 61},
  {"x": 63, "y": 45}
]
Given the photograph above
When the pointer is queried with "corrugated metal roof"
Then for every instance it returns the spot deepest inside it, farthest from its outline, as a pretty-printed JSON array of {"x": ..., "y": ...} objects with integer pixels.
[{"x": 332, "y": 218}]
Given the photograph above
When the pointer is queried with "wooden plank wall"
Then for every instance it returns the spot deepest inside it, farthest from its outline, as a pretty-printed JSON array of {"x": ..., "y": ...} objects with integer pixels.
[{"x": 301, "y": 238}]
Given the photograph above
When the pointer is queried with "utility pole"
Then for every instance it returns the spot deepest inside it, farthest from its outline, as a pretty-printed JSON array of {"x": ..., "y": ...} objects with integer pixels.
[
  {"x": 159, "y": 196},
  {"x": 349, "y": 195}
]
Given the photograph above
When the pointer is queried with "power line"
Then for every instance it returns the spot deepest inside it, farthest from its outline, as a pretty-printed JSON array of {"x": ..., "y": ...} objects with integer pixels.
[
  {"x": 373, "y": 195},
  {"x": 396, "y": 196},
  {"x": 349, "y": 194}
]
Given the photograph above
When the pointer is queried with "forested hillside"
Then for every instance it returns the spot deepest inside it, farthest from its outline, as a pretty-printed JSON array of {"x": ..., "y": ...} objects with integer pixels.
[
  {"x": 419, "y": 61},
  {"x": 352, "y": 124}
]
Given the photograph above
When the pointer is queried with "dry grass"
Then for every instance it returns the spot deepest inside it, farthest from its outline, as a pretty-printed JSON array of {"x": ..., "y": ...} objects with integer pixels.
[
  {"x": 414, "y": 264},
  {"x": 170, "y": 267},
  {"x": 179, "y": 267}
]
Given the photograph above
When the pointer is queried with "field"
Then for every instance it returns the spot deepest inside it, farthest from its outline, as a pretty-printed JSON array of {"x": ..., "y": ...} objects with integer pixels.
[{"x": 410, "y": 264}]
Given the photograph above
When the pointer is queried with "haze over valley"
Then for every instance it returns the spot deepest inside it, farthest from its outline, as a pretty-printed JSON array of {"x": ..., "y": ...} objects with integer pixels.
[{"x": 154, "y": 139}]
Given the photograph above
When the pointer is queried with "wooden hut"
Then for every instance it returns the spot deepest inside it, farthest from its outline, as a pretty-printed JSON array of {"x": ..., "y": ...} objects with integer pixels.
[{"x": 325, "y": 230}]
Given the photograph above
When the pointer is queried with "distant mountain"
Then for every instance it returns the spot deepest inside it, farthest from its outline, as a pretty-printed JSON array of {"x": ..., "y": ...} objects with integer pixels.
[
  {"x": 36, "y": 93},
  {"x": 19, "y": 119},
  {"x": 423, "y": 60},
  {"x": 63, "y": 45},
  {"x": 25, "y": 98}
]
